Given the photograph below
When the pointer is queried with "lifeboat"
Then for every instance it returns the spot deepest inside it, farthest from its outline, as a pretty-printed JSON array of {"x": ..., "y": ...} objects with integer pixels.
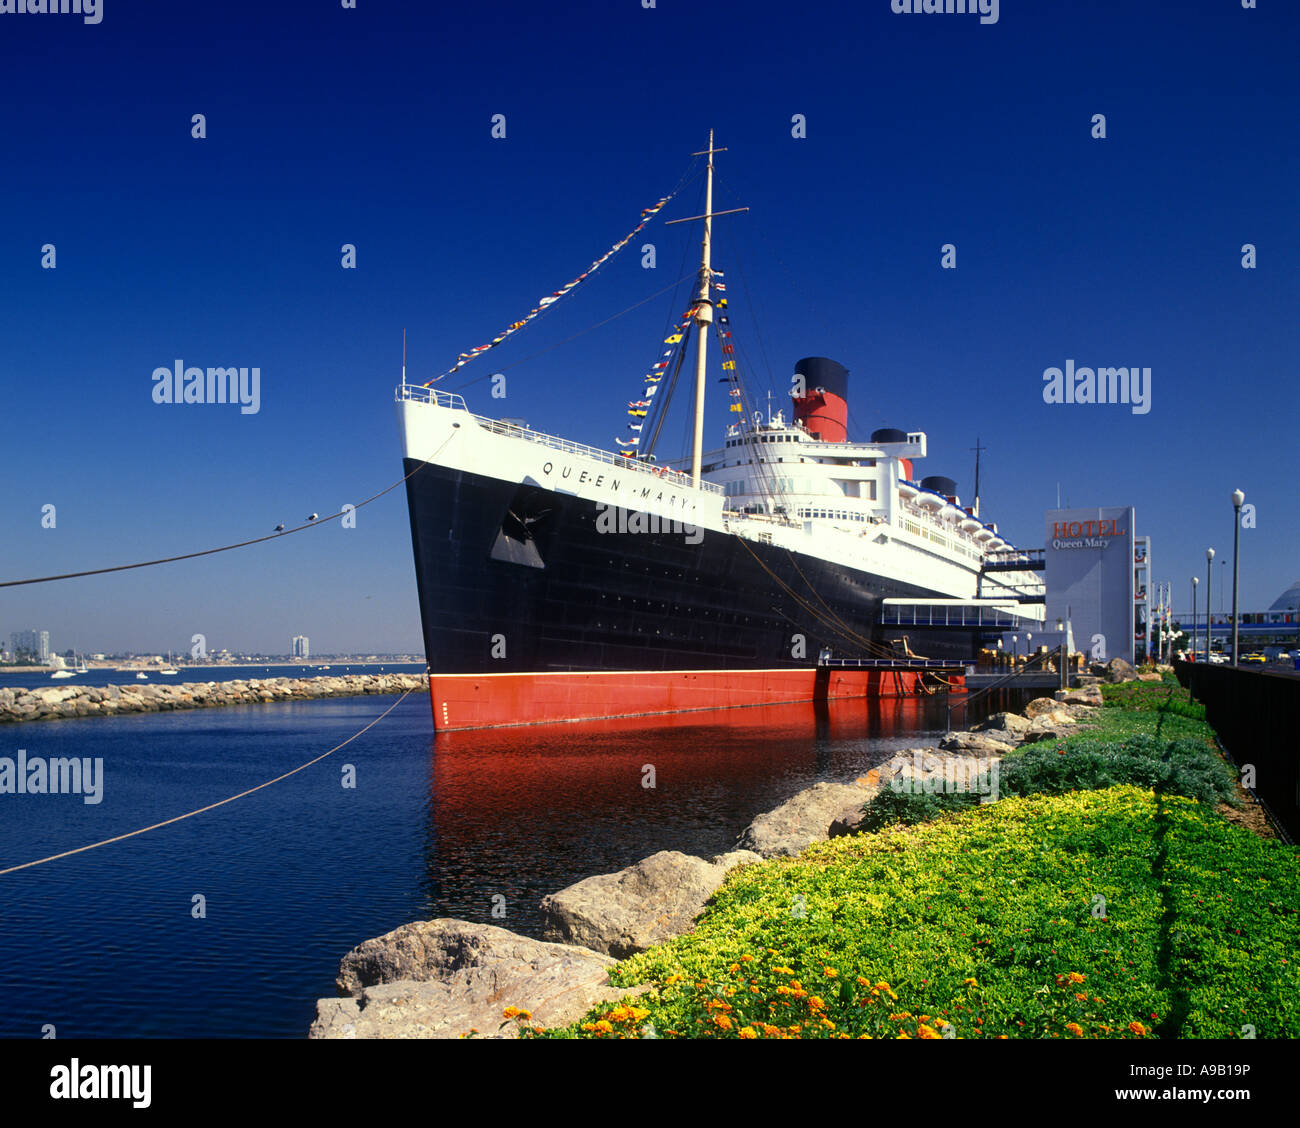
[
  {"x": 970, "y": 524},
  {"x": 984, "y": 534},
  {"x": 906, "y": 489},
  {"x": 932, "y": 501},
  {"x": 995, "y": 545}
]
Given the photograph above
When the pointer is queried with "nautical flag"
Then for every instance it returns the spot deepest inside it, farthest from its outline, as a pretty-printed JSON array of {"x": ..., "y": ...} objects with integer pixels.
[
  {"x": 725, "y": 333},
  {"x": 637, "y": 411},
  {"x": 722, "y": 303},
  {"x": 626, "y": 454},
  {"x": 728, "y": 349},
  {"x": 635, "y": 426},
  {"x": 737, "y": 407},
  {"x": 672, "y": 340},
  {"x": 724, "y": 320},
  {"x": 729, "y": 365},
  {"x": 735, "y": 391},
  {"x": 637, "y": 403},
  {"x": 649, "y": 392},
  {"x": 654, "y": 377},
  {"x": 719, "y": 287},
  {"x": 662, "y": 364},
  {"x": 633, "y": 442}
]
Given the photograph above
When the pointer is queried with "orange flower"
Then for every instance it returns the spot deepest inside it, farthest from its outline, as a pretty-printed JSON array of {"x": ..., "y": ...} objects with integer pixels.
[
  {"x": 1083, "y": 998},
  {"x": 510, "y": 1012},
  {"x": 923, "y": 1031},
  {"x": 970, "y": 983},
  {"x": 722, "y": 1022},
  {"x": 829, "y": 972},
  {"x": 1075, "y": 1029},
  {"x": 1137, "y": 1028},
  {"x": 1074, "y": 977},
  {"x": 747, "y": 1032}
]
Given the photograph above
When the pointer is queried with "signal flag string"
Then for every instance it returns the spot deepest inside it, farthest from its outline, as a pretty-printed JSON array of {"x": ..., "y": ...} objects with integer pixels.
[{"x": 210, "y": 806}]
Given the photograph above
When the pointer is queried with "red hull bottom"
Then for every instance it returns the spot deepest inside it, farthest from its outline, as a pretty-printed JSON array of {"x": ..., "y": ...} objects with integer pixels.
[{"x": 470, "y": 701}]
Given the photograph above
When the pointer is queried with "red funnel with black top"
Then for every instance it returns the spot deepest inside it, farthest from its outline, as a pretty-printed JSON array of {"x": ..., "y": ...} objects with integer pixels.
[{"x": 823, "y": 409}]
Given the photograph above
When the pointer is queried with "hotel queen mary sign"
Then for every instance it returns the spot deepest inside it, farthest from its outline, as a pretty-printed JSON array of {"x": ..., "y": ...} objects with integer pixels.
[{"x": 1089, "y": 578}]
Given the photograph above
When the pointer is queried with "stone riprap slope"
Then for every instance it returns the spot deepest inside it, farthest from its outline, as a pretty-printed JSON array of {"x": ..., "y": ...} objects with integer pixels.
[{"x": 49, "y": 703}]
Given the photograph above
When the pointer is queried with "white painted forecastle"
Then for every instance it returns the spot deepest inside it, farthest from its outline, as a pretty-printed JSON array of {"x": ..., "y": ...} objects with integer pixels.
[{"x": 772, "y": 483}]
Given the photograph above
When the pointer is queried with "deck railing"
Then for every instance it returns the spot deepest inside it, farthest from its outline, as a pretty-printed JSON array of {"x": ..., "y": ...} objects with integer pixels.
[{"x": 554, "y": 442}]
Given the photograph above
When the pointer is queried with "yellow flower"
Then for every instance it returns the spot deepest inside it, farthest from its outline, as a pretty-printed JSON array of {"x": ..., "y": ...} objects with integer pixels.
[
  {"x": 923, "y": 1031},
  {"x": 970, "y": 983},
  {"x": 747, "y": 1032},
  {"x": 746, "y": 959},
  {"x": 734, "y": 968},
  {"x": 829, "y": 972},
  {"x": 604, "y": 1027},
  {"x": 826, "y": 1022},
  {"x": 1137, "y": 1028},
  {"x": 783, "y": 970},
  {"x": 722, "y": 1021},
  {"x": 510, "y": 1012},
  {"x": 588, "y": 1026},
  {"x": 1074, "y": 977}
]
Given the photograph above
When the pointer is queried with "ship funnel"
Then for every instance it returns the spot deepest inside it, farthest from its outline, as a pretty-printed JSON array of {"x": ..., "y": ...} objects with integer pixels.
[{"x": 823, "y": 409}]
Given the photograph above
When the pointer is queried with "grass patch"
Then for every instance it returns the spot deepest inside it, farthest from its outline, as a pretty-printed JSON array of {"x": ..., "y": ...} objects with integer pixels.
[{"x": 1120, "y": 913}]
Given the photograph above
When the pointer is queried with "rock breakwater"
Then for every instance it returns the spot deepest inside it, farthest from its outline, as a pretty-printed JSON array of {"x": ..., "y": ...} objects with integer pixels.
[{"x": 50, "y": 703}]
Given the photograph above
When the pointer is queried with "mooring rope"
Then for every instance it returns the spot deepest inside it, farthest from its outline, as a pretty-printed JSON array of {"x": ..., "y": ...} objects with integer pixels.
[{"x": 210, "y": 806}]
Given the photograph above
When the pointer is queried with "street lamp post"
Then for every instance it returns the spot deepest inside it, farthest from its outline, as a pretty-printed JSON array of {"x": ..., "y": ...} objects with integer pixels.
[
  {"x": 1209, "y": 581},
  {"x": 1237, "y": 498},
  {"x": 1196, "y": 582}
]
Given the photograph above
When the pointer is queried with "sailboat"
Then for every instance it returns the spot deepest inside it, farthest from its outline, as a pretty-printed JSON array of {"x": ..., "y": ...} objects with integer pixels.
[
  {"x": 168, "y": 671},
  {"x": 559, "y": 581}
]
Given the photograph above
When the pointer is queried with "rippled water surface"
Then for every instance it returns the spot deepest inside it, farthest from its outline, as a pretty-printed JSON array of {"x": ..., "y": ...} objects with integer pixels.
[{"x": 105, "y": 943}]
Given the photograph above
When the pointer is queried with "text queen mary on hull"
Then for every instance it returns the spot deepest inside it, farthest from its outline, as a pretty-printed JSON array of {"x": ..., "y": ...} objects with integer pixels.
[{"x": 562, "y": 582}]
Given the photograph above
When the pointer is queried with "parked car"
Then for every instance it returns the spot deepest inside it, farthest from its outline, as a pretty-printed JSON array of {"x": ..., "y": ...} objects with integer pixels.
[{"x": 1252, "y": 660}]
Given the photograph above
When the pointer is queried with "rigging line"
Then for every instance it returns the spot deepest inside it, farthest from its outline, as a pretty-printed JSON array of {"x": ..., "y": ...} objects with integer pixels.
[
  {"x": 210, "y": 806},
  {"x": 662, "y": 412},
  {"x": 583, "y": 332},
  {"x": 226, "y": 547},
  {"x": 753, "y": 314},
  {"x": 786, "y": 587},
  {"x": 863, "y": 640}
]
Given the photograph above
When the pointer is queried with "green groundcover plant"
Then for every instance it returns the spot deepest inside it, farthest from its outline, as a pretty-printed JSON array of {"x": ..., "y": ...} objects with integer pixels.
[{"x": 1119, "y": 913}]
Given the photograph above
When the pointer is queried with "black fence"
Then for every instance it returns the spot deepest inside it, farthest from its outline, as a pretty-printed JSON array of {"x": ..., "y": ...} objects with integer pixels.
[{"x": 1257, "y": 717}]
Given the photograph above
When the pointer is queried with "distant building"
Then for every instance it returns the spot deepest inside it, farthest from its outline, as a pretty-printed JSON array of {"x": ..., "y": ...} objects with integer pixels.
[
  {"x": 36, "y": 643},
  {"x": 301, "y": 648}
]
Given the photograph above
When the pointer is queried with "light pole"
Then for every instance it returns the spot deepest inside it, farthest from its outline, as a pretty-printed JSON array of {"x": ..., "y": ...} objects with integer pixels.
[
  {"x": 1237, "y": 498},
  {"x": 1209, "y": 581},
  {"x": 1196, "y": 582}
]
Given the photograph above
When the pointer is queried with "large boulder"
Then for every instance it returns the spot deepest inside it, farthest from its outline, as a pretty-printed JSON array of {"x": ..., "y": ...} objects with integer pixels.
[
  {"x": 1117, "y": 670},
  {"x": 804, "y": 819},
  {"x": 627, "y": 912},
  {"x": 977, "y": 744},
  {"x": 1041, "y": 705},
  {"x": 1002, "y": 726},
  {"x": 445, "y": 978},
  {"x": 1089, "y": 695}
]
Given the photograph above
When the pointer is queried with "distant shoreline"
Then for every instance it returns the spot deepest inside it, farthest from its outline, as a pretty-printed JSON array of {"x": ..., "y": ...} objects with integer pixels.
[{"x": 92, "y": 667}]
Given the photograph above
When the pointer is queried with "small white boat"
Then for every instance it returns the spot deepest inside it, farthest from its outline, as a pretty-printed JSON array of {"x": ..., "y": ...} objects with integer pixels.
[
  {"x": 141, "y": 676},
  {"x": 59, "y": 674}
]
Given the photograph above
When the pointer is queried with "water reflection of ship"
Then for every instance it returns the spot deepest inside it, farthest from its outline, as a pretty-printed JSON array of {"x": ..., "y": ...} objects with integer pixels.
[{"x": 572, "y": 799}]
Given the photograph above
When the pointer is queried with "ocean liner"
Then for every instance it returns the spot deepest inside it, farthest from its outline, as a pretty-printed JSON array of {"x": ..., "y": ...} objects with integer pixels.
[{"x": 559, "y": 581}]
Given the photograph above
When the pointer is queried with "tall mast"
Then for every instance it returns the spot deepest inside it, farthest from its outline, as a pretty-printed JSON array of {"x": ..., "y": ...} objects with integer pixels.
[
  {"x": 703, "y": 308},
  {"x": 977, "y": 448},
  {"x": 703, "y": 319}
]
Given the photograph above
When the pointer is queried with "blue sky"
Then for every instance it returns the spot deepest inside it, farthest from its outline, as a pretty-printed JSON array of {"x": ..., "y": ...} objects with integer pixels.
[{"x": 372, "y": 127}]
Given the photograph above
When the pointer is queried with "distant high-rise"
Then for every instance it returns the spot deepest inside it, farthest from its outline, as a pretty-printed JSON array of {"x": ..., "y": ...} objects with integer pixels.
[
  {"x": 301, "y": 647},
  {"x": 36, "y": 643}
]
